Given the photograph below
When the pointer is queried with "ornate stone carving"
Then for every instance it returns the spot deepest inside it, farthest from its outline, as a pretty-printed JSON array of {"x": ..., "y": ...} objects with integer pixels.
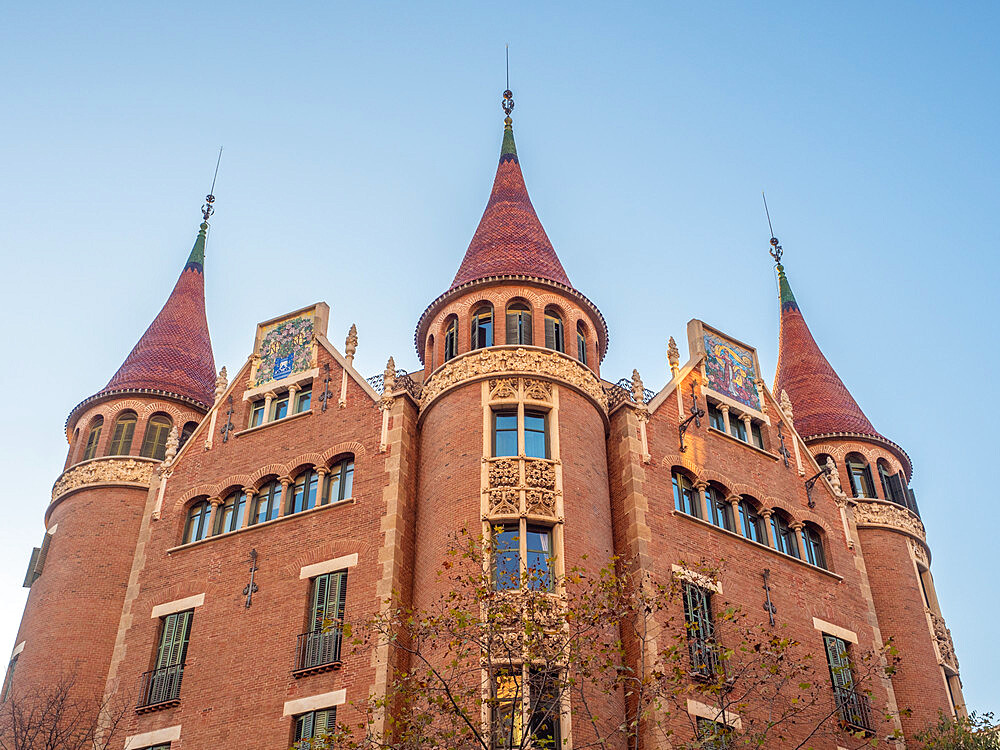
[
  {"x": 942, "y": 635},
  {"x": 221, "y": 383},
  {"x": 504, "y": 473},
  {"x": 786, "y": 407},
  {"x": 673, "y": 355},
  {"x": 503, "y": 388},
  {"x": 504, "y": 501},
  {"x": 108, "y": 470},
  {"x": 540, "y": 474},
  {"x": 173, "y": 444},
  {"x": 638, "y": 392},
  {"x": 537, "y": 390},
  {"x": 921, "y": 554},
  {"x": 541, "y": 502},
  {"x": 351, "y": 343},
  {"x": 497, "y": 360},
  {"x": 833, "y": 477},
  {"x": 879, "y": 513}
]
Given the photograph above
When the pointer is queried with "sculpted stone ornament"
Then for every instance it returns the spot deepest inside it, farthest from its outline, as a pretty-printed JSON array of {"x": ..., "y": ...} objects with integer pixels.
[
  {"x": 537, "y": 390},
  {"x": 638, "y": 392},
  {"x": 540, "y": 474},
  {"x": 351, "y": 343},
  {"x": 786, "y": 407},
  {"x": 942, "y": 636},
  {"x": 173, "y": 444},
  {"x": 504, "y": 501},
  {"x": 541, "y": 502},
  {"x": 833, "y": 477},
  {"x": 503, "y": 388},
  {"x": 881, "y": 513},
  {"x": 504, "y": 473},
  {"x": 221, "y": 383},
  {"x": 921, "y": 554},
  {"x": 497, "y": 360},
  {"x": 388, "y": 384},
  {"x": 107, "y": 470},
  {"x": 673, "y": 356}
]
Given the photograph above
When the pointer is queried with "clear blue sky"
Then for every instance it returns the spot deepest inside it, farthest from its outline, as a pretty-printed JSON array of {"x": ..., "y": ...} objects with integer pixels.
[{"x": 361, "y": 141}]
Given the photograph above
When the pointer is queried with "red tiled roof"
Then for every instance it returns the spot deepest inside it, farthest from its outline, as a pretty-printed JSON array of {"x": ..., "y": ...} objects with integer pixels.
[
  {"x": 510, "y": 239},
  {"x": 175, "y": 352},
  {"x": 820, "y": 400}
]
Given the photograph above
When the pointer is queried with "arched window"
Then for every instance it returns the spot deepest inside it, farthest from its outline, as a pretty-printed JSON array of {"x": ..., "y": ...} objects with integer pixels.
[
  {"x": 196, "y": 527},
  {"x": 719, "y": 511},
  {"x": 187, "y": 432},
  {"x": 581, "y": 344},
  {"x": 685, "y": 495},
  {"x": 482, "y": 327},
  {"x": 231, "y": 513},
  {"x": 304, "y": 492},
  {"x": 812, "y": 544},
  {"x": 890, "y": 490},
  {"x": 750, "y": 519},
  {"x": 519, "y": 324},
  {"x": 93, "y": 438},
  {"x": 554, "y": 331},
  {"x": 121, "y": 438},
  {"x": 860, "y": 475},
  {"x": 784, "y": 535},
  {"x": 266, "y": 503},
  {"x": 340, "y": 482},
  {"x": 154, "y": 444},
  {"x": 451, "y": 340}
]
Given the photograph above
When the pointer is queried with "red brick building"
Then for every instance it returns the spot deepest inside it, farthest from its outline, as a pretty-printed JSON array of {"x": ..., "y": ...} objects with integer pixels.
[{"x": 203, "y": 526}]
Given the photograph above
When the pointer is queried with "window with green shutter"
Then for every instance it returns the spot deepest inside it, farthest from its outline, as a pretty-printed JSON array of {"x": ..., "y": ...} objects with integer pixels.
[
  {"x": 174, "y": 639},
  {"x": 93, "y": 438},
  {"x": 314, "y": 724},
  {"x": 319, "y": 647},
  {"x": 853, "y": 705},
  {"x": 154, "y": 444}
]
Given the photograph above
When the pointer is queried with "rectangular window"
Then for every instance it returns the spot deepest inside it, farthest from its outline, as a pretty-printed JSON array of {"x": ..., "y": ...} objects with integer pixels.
[
  {"x": 92, "y": 439},
  {"x": 853, "y": 706},
  {"x": 757, "y": 435},
  {"x": 581, "y": 348},
  {"x": 507, "y": 718},
  {"x": 257, "y": 414},
  {"x": 320, "y": 644},
  {"x": 303, "y": 401},
  {"x": 536, "y": 444},
  {"x": 544, "y": 710},
  {"x": 716, "y": 418},
  {"x": 507, "y": 557},
  {"x": 543, "y": 699},
  {"x": 279, "y": 408},
  {"x": 737, "y": 428},
  {"x": 340, "y": 485},
  {"x": 303, "y": 494},
  {"x": 714, "y": 735},
  {"x": 720, "y": 511},
  {"x": 539, "y": 551},
  {"x": 163, "y": 684},
  {"x": 700, "y": 630},
  {"x": 753, "y": 524},
  {"x": 314, "y": 725},
  {"x": 686, "y": 496},
  {"x": 505, "y": 433}
]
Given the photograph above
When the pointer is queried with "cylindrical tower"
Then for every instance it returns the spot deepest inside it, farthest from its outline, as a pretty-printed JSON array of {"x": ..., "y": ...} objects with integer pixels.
[
  {"x": 513, "y": 415},
  {"x": 118, "y": 441},
  {"x": 874, "y": 473}
]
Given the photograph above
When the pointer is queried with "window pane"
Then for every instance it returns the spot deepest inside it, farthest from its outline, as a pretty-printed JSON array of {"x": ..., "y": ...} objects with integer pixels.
[
  {"x": 534, "y": 436},
  {"x": 505, "y": 434},
  {"x": 280, "y": 408},
  {"x": 507, "y": 572},
  {"x": 304, "y": 402},
  {"x": 539, "y": 545}
]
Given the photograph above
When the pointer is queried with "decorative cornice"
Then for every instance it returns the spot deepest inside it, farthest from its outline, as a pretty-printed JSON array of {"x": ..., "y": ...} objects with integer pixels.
[
  {"x": 132, "y": 471},
  {"x": 896, "y": 448},
  {"x": 432, "y": 308},
  {"x": 122, "y": 392},
  {"x": 880, "y": 513},
  {"x": 503, "y": 360}
]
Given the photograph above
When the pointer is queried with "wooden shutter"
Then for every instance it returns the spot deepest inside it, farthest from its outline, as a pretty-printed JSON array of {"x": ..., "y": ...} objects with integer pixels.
[
  {"x": 324, "y": 722},
  {"x": 512, "y": 328},
  {"x": 321, "y": 594},
  {"x": 329, "y": 598},
  {"x": 174, "y": 639},
  {"x": 29, "y": 576},
  {"x": 304, "y": 726},
  {"x": 840, "y": 666},
  {"x": 896, "y": 489},
  {"x": 912, "y": 501},
  {"x": 550, "y": 333}
]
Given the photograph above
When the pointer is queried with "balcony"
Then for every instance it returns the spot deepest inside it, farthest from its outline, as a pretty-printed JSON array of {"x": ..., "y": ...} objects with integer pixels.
[
  {"x": 854, "y": 708},
  {"x": 160, "y": 688},
  {"x": 318, "y": 651}
]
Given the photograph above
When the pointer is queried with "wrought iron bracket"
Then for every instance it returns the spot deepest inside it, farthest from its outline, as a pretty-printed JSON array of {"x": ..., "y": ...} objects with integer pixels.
[
  {"x": 696, "y": 414},
  {"x": 768, "y": 604},
  {"x": 810, "y": 483},
  {"x": 228, "y": 426},
  {"x": 251, "y": 588},
  {"x": 324, "y": 397}
]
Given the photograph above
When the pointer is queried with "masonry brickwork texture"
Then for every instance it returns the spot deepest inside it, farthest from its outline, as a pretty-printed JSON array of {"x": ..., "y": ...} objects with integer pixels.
[{"x": 117, "y": 555}]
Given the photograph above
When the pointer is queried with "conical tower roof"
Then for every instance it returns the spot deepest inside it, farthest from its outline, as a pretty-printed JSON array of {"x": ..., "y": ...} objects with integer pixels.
[
  {"x": 510, "y": 240},
  {"x": 823, "y": 405}
]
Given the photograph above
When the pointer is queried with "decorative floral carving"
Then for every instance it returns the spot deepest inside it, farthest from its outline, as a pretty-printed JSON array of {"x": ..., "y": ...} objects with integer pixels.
[
  {"x": 541, "y": 502},
  {"x": 942, "y": 635},
  {"x": 173, "y": 444},
  {"x": 221, "y": 383},
  {"x": 786, "y": 407},
  {"x": 504, "y": 501},
  {"x": 879, "y": 513},
  {"x": 503, "y": 388},
  {"x": 109, "y": 470},
  {"x": 537, "y": 390},
  {"x": 673, "y": 355},
  {"x": 921, "y": 554},
  {"x": 540, "y": 474},
  {"x": 833, "y": 477},
  {"x": 496, "y": 360},
  {"x": 504, "y": 473}
]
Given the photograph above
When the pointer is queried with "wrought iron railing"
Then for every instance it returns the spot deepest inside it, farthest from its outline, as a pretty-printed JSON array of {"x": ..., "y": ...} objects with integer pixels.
[
  {"x": 706, "y": 659},
  {"x": 403, "y": 380},
  {"x": 622, "y": 391},
  {"x": 855, "y": 708},
  {"x": 319, "y": 648},
  {"x": 160, "y": 686}
]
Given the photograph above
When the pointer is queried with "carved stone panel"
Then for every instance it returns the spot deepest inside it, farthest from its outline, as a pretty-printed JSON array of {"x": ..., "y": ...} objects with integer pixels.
[
  {"x": 537, "y": 390},
  {"x": 540, "y": 474},
  {"x": 890, "y": 515},
  {"x": 109, "y": 470},
  {"x": 504, "y": 501},
  {"x": 942, "y": 636},
  {"x": 541, "y": 502},
  {"x": 504, "y": 473},
  {"x": 503, "y": 388}
]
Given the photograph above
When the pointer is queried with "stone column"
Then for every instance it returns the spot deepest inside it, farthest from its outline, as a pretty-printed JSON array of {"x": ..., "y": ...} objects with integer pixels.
[
  {"x": 214, "y": 519},
  {"x": 321, "y": 472},
  {"x": 766, "y": 514},
  {"x": 292, "y": 390},
  {"x": 734, "y": 501},
  {"x": 248, "y": 510},
  {"x": 724, "y": 408},
  {"x": 747, "y": 425},
  {"x": 286, "y": 499}
]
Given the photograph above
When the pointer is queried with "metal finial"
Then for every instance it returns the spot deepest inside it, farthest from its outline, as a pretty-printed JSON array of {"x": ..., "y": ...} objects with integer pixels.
[
  {"x": 508, "y": 95},
  {"x": 208, "y": 208},
  {"x": 775, "y": 250}
]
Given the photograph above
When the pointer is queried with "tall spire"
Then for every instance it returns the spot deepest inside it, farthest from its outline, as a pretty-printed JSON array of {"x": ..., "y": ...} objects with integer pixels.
[
  {"x": 509, "y": 240},
  {"x": 174, "y": 355},
  {"x": 823, "y": 405}
]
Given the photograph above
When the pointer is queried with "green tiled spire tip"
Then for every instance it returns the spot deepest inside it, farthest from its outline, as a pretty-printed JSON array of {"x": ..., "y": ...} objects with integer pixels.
[
  {"x": 508, "y": 147},
  {"x": 197, "y": 256},
  {"x": 784, "y": 288}
]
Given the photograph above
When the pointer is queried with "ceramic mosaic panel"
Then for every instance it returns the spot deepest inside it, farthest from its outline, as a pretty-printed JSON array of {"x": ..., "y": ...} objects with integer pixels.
[
  {"x": 286, "y": 348},
  {"x": 731, "y": 370}
]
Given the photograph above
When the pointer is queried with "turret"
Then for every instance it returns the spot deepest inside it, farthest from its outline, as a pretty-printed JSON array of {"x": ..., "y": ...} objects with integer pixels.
[
  {"x": 875, "y": 473},
  {"x": 119, "y": 439}
]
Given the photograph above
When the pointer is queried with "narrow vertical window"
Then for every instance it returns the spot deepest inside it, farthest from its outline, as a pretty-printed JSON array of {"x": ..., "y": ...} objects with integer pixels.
[
  {"x": 753, "y": 524},
  {"x": 163, "y": 684},
  {"x": 685, "y": 495},
  {"x": 536, "y": 443},
  {"x": 700, "y": 630},
  {"x": 451, "y": 340},
  {"x": 539, "y": 558},
  {"x": 231, "y": 513},
  {"x": 340, "y": 484},
  {"x": 267, "y": 503},
  {"x": 196, "y": 527},
  {"x": 812, "y": 545},
  {"x": 507, "y": 557},
  {"x": 303, "y": 495},
  {"x": 257, "y": 413},
  {"x": 93, "y": 438},
  {"x": 715, "y": 417},
  {"x": 581, "y": 345},
  {"x": 279, "y": 407},
  {"x": 854, "y": 707},
  {"x": 8, "y": 682},
  {"x": 543, "y": 722},
  {"x": 507, "y": 725},
  {"x": 861, "y": 476},
  {"x": 519, "y": 324},
  {"x": 505, "y": 433},
  {"x": 186, "y": 433},
  {"x": 121, "y": 438},
  {"x": 784, "y": 536},
  {"x": 720, "y": 512},
  {"x": 320, "y": 645},
  {"x": 482, "y": 328},
  {"x": 757, "y": 437},
  {"x": 303, "y": 401},
  {"x": 737, "y": 428},
  {"x": 154, "y": 444},
  {"x": 554, "y": 332}
]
